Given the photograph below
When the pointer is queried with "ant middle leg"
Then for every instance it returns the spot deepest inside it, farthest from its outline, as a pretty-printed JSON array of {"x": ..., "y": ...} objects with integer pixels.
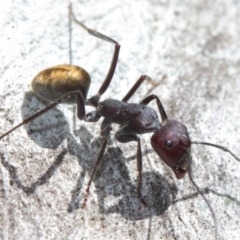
[
  {"x": 135, "y": 87},
  {"x": 123, "y": 136}
]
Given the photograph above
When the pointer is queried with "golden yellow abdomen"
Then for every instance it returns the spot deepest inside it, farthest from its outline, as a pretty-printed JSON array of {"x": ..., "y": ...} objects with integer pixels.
[{"x": 54, "y": 82}]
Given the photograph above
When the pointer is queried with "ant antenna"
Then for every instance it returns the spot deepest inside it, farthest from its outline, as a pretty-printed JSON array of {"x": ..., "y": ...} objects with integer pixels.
[
  {"x": 190, "y": 175},
  {"x": 217, "y": 146},
  {"x": 197, "y": 187}
]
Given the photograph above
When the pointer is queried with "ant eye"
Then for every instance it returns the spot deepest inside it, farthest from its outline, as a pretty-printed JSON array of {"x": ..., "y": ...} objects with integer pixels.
[{"x": 168, "y": 144}]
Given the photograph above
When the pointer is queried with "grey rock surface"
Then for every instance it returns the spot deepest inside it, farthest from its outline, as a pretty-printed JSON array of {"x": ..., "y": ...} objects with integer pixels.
[{"x": 191, "y": 51}]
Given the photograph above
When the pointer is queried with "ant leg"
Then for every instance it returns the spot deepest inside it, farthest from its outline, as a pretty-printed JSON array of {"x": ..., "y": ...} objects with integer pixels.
[
  {"x": 135, "y": 87},
  {"x": 70, "y": 34},
  {"x": 99, "y": 159},
  {"x": 94, "y": 100},
  {"x": 80, "y": 109},
  {"x": 104, "y": 127},
  {"x": 124, "y": 137},
  {"x": 161, "y": 109}
]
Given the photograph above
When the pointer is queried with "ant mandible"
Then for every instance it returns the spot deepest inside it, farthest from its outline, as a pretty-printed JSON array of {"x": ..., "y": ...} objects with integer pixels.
[{"x": 170, "y": 139}]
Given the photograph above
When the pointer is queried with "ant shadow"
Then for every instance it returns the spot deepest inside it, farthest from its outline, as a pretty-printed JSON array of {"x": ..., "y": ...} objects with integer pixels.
[{"x": 111, "y": 181}]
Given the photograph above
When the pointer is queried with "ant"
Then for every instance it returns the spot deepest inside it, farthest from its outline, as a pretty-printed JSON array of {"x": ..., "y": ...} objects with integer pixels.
[{"x": 170, "y": 139}]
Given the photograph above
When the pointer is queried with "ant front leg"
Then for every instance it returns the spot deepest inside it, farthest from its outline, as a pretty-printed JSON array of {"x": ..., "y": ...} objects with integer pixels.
[
  {"x": 161, "y": 109},
  {"x": 124, "y": 136}
]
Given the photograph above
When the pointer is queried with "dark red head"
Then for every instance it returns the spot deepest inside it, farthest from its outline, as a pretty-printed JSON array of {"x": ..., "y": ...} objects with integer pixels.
[{"x": 172, "y": 144}]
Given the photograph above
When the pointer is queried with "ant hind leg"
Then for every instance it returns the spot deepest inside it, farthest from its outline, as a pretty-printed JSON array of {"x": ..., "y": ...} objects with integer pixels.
[{"x": 94, "y": 100}]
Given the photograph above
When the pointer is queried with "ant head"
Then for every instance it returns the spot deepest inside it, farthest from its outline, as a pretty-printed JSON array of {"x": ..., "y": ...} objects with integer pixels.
[{"x": 172, "y": 144}]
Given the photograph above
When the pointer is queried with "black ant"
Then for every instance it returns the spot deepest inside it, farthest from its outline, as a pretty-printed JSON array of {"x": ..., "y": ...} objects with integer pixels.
[{"x": 170, "y": 139}]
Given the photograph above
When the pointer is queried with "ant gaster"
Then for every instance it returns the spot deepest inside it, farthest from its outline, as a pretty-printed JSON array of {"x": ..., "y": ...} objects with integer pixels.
[{"x": 170, "y": 139}]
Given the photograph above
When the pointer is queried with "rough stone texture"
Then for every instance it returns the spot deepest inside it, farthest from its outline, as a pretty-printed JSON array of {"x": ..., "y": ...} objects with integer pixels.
[{"x": 191, "y": 50}]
